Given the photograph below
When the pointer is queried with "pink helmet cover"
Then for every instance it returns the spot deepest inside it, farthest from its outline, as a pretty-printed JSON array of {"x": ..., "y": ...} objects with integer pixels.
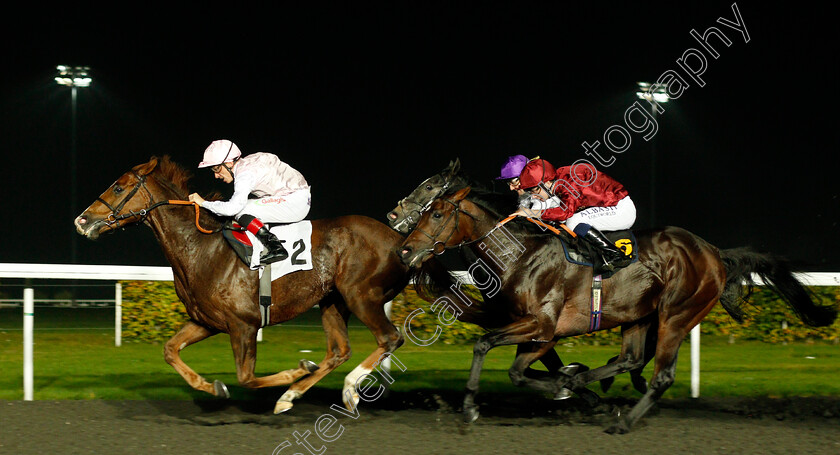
[{"x": 219, "y": 152}]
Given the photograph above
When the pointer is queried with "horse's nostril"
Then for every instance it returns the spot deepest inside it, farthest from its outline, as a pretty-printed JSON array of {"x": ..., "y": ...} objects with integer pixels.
[
  {"x": 405, "y": 252},
  {"x": 81, "y": 220},
  {"x": 392, "y": 216}
]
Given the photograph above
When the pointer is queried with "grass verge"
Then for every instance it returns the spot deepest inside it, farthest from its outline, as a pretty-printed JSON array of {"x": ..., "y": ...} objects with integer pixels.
[{"x": 85, "y": 364}]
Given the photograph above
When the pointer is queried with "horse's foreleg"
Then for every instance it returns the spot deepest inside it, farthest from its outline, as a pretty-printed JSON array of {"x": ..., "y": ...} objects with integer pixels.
[
  {"x": 388, "y": 340},
  {"x": 338, "y": 352},
  {"x": 523, "y": 331},
  {"x": 550, "y": 359},
  {"x": 521, "y": 375},
  {"x": 243, "y": 340},
  {"x": 190, "y": 333}
]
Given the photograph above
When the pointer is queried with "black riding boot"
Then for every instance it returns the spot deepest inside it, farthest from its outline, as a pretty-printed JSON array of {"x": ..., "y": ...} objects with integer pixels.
[
  {"x": 273, "y": 249},
  {"x": 612, "y": 257}
]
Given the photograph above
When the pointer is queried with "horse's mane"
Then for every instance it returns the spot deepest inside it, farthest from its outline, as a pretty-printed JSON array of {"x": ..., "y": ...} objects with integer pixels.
[
  {"x": 178, "y": 177},
  {"x": 500, "y": 205},
  {"x": 174, "y": 173}
]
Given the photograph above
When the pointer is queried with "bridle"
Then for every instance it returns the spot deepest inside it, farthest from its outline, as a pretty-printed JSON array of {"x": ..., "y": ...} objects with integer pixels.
[
  {"x": 438, "y": 246},
  {"x": 409, "y": 216},
  {"x": 115, "y": 217}
]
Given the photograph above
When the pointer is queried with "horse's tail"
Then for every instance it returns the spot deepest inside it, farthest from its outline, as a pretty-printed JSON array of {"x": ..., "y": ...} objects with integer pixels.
[{"x": 742, "y": 263}]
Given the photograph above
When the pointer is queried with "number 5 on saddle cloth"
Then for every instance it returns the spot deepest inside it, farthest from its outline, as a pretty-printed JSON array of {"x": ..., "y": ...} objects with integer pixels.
[{"x": 582, "y": 253}]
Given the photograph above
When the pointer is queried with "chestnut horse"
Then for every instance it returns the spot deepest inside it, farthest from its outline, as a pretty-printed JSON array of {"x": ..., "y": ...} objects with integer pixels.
[
  {"x": 355, "y": 270},
  {"x": 677, "y": 280}
]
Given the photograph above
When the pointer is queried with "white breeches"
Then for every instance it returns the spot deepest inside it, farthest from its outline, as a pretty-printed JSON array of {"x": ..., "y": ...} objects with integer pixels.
[
  {"x": 615, "y": 218},
  {"x": 279, "y": 209}
]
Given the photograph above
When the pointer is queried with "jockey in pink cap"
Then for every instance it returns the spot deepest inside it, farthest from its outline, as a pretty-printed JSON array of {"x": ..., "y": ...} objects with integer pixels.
[{"x": 282, "y": 194}]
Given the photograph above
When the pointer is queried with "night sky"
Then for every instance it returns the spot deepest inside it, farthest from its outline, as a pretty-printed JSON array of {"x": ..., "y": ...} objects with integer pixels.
[{"x": 367, "y": 101}]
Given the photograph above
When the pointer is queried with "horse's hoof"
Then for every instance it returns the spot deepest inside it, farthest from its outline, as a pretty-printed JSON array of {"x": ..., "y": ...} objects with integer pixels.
[
  {"x": 639, "y": 384},
  {"x": 220, "y": 389},
  {"x": 308, "y": 365},
  {"x": 470, "y": 415},
  {"x": 570, "y": 370},
  {"x": 563, "y": 394},
  {"x": 581, "y": 367},
  {"x": 282, "y": 406},
  {"x": 350, "y": 399},
  {"x": 606, "y": 384},
  {"x": 619, "y": 427},
  {"x": 591, "y": 398}
]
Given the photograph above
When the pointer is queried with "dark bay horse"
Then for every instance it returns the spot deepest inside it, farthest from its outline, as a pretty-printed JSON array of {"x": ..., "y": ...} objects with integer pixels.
[
  {"x": 355, "y": 271},
  {"x": 404, "y": 218},
  {"x": 678, "y": 279}
]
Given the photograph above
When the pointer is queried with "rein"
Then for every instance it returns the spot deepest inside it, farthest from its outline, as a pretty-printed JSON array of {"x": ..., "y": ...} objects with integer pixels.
[
  {"x": 409, "y": 216},
  {"x": 115, "y": 217},
  {"x": 439, "y": 247}
]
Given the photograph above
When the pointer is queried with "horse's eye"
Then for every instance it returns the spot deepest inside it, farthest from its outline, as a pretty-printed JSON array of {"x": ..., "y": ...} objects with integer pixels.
[
  {"x": 437, "y": 215},
  {"x": 118, "y": 189},
  {"x": 428, "y": 187}
]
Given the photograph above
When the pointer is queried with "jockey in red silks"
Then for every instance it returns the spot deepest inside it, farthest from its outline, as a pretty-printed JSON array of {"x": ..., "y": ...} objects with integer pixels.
[
  {"x": 282, "y": 194},
  {"x": 586, "y": 200},
  {"x": 510, "y": 174}
]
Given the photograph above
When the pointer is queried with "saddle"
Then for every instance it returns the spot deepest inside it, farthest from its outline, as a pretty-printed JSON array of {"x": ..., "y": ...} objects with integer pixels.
[
  {"x": 298, "y": 235},
  {"x": 580, "y": 252},
  {"x": 238, "y": 240}
]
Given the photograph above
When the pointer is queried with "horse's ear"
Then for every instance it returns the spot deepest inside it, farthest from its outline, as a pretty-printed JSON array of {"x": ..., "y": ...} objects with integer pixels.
[
  {"x": 146, "y": 168},
  {"x": 453, "y": 168},
  {"x": 461, "y": 194}
]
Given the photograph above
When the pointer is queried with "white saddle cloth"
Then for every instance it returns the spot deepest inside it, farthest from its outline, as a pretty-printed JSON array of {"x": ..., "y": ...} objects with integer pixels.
[{"x": 297, "y": 238}]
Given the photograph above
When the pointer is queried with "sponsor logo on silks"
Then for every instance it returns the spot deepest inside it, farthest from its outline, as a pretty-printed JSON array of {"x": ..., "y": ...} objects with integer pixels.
[
  {"x": 625, "y": 245},
  {"x": 271, "y": 200}
]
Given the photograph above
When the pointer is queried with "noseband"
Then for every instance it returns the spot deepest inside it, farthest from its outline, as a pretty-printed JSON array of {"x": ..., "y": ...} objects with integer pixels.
[
  {"x": 409, "y": 216},
  {"x": 115, "y": 217},
  {"x": 439, "y": 247}
]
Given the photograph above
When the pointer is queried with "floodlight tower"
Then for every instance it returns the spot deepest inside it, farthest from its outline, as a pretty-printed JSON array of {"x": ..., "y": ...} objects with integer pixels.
[
  {"x": 654, "y": 95},
  {"x": 74, "y": 77}
]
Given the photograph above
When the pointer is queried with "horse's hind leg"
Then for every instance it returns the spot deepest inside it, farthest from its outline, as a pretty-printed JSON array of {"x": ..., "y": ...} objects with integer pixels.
[
  {"x": 631, "y": 358},
  {"x": 243, "y": 341},
  {"x": 663, "y": 377},
  {"x": 631, "y": 338},
  {"x": 191, "y": 333},
  {"x": 334, "y": 321},
  {"x": 671, "y": 333}
]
